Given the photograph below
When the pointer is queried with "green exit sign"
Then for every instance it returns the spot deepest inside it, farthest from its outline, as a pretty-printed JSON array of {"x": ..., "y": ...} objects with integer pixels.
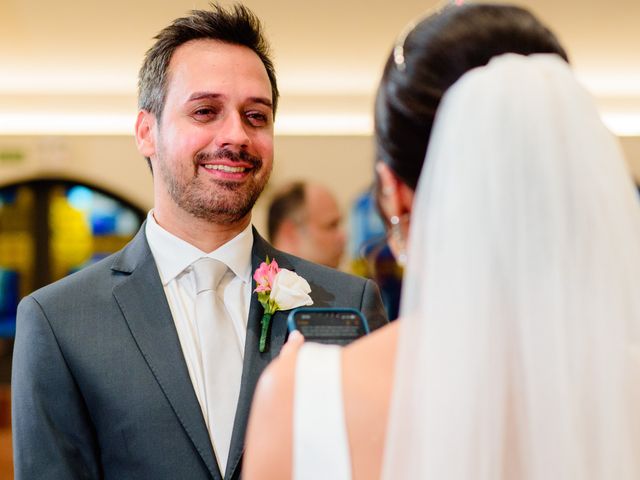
[{"x": 11, "y": 156}]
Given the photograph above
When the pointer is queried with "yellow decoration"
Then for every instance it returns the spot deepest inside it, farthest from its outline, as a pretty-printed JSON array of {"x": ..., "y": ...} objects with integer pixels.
[{"x": 71, "y": 238}]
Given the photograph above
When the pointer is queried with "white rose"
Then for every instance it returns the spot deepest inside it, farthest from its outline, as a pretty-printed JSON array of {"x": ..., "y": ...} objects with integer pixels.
[{"x": 290, "y": 290}]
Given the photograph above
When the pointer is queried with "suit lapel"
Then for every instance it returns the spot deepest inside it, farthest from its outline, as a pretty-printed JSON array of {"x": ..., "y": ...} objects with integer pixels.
[
  {"x": 254, "y": 361},
  {"x": 143, "y": 303}
]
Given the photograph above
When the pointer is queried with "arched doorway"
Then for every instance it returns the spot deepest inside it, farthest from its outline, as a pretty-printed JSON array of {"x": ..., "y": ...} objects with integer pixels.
[{"x": 50, "y": 228}]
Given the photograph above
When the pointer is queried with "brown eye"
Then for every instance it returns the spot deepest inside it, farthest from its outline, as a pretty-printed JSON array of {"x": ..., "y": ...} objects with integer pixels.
[
  {"x": 257, "y": 119},
  {"x": 204, "y": 114}
]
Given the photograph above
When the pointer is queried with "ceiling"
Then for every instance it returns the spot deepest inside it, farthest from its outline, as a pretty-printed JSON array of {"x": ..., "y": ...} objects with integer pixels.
[{"x": 70, "y": 66}]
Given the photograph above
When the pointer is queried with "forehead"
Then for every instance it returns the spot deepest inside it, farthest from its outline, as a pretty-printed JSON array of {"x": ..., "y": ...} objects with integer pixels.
[
  {"x": 320, "y": 202},
  {"x": 206, "y": 65}
]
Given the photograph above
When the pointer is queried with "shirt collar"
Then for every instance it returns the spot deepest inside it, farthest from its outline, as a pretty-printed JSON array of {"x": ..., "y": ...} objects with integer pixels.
[{"x": 173, "y": 255}]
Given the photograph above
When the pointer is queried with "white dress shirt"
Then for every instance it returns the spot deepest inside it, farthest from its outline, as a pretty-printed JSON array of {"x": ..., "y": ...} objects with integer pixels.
[{"x": 174, "y": 257}]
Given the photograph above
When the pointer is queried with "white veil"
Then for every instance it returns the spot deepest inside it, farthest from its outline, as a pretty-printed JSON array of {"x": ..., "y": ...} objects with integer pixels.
[{"x": 521, "y": 303}]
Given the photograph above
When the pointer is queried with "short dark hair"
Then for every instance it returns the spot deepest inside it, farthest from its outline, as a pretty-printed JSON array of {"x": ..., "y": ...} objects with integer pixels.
[
  {"x": 437, "y": 52},
  {"x": 285, "y": 204},
  {"x": 237, "y": 26}
]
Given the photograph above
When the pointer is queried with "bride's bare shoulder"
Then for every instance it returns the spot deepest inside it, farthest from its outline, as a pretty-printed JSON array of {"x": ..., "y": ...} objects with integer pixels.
[
  {"x": 368, "y": 369},
  {"x": 375, "y": 349},
  {"x": 368, "y": 365}
]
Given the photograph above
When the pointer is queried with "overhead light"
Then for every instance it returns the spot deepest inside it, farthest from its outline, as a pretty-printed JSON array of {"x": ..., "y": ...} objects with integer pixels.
[
  {"x": 56, "y": 123},
  {"x": 623, "y": 124},
  {"x": 325, "y": 124}
]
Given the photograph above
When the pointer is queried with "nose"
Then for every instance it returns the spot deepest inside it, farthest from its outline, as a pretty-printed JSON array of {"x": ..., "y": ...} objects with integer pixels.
[{"x": 232, "y": 132}]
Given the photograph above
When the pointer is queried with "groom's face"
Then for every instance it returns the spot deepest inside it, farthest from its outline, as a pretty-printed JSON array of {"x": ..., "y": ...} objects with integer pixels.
[{"x": 214, "y": 140}]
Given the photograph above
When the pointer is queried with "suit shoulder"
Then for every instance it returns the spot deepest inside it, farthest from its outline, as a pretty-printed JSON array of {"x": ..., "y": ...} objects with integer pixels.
[
  {"x": 99, "y": 275},
  {"x": 302, "y": 267},
  {"x": 305, "y": 267},
  {"x": 92, "y": 277}
]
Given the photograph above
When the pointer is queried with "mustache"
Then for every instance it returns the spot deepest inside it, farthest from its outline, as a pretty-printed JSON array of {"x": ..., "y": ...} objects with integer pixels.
[{"x": 224, "y": 153}]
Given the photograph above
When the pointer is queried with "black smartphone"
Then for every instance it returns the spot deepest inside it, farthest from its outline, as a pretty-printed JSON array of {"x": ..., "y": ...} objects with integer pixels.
[{"x": 337, "y": 326}]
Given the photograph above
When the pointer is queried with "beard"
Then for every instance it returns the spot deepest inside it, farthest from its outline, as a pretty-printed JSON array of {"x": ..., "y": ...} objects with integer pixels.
[{"x": 216, "y": 201}]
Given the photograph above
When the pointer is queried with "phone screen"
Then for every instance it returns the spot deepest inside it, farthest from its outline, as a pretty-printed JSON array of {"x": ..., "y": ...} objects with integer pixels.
[{"x": 337, "y": 326}]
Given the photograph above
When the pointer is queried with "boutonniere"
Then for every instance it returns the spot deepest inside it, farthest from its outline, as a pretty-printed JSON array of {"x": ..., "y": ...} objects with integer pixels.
[{"x": 278, "y": 289}]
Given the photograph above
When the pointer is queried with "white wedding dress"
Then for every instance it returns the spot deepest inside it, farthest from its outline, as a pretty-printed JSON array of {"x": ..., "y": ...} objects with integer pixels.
[{"x": 320, "y": 444}]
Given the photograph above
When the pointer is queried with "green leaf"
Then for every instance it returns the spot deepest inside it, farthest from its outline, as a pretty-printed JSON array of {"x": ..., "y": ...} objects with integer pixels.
[{"x": 266, "y": 322}]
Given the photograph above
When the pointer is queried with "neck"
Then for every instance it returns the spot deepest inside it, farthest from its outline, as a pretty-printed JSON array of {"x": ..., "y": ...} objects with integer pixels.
[{"x": 203, "y": 234}]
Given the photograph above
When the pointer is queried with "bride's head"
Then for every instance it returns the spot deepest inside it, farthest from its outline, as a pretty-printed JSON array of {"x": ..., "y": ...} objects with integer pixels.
[{"x": 426, "y": 60}]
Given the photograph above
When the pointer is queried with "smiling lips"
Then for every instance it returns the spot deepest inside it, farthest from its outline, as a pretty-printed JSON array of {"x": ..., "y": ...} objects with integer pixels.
[
  {"x": 228, "y": 171},
  {"x": 225, "y": 168},
  {"x": 228, "y": 165}
]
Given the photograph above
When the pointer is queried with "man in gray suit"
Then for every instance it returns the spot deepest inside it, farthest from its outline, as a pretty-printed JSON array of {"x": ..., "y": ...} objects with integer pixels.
[{"x": 110, "y": 373}]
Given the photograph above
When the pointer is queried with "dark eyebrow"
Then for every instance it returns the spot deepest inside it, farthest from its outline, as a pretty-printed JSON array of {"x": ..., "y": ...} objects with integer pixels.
[
  {"x": 214, "y": 96},
  {"x": 263, "y": 101},
  {"x": 203, "y": 95}
]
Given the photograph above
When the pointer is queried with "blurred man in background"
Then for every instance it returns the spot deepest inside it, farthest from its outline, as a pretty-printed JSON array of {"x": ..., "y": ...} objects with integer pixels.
[{"x": 305, "y": 220}]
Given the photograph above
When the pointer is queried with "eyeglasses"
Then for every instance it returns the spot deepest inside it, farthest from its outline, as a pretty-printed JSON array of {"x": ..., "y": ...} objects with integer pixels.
[{"x": 398, "y": 48}]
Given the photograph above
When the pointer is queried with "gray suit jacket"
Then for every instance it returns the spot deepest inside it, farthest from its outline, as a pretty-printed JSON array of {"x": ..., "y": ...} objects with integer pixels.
[{"x": 100, "y": 385}]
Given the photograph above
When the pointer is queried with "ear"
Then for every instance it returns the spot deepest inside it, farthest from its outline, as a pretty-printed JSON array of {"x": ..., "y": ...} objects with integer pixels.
[
  {"x": 146, "y": 133},
  {"x": 396, "y": 197}
]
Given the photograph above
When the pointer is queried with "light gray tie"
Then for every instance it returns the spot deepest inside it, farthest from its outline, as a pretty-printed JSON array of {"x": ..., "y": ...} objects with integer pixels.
[{"x": 221, "y": 356}]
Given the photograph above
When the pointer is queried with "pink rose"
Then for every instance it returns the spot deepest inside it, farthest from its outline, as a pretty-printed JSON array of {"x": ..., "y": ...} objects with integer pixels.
[
  {"x": 278, "y": 289},
  {"x": 264, "y": 276}
]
